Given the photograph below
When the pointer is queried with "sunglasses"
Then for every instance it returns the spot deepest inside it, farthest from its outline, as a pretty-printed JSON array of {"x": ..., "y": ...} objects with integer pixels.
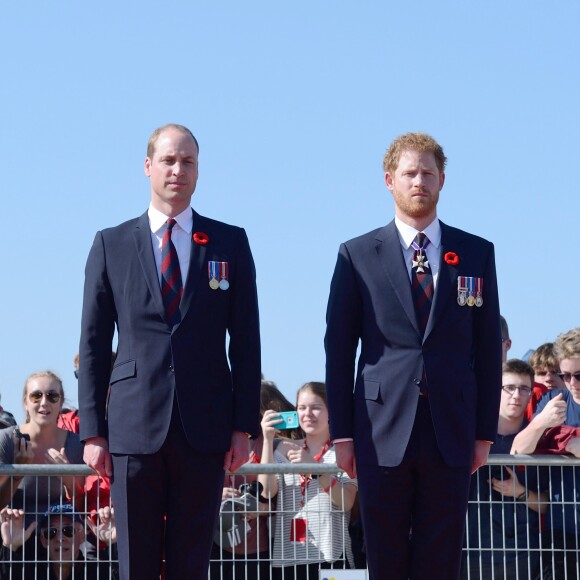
[
  {"x": 50, "y": 533},
  {"x": 567, "y": 377},
  {"x": 51, "y": 396}
]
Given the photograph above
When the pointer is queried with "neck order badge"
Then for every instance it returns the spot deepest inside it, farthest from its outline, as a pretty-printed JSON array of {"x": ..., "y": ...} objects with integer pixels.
[{"x": 421, "y": 281}]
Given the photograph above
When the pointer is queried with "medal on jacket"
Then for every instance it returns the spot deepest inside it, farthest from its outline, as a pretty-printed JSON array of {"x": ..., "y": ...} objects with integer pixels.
[
  {"x": 212, "y": 272},
  {"x": 470, "y": 291},
  {"x": 461, "y": 290},
  {"x": 479, "y": 292},
  {"x": 223, "y": 273}
]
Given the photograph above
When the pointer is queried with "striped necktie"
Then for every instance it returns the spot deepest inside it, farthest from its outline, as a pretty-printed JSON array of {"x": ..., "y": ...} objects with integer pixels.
[{"x": 171, "y": 285}]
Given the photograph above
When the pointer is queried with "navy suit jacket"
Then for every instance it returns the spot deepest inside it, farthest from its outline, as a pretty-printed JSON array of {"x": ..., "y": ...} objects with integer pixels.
[
  {"x": 460, "y": 353},
  {"x": 217, "y": 392}
]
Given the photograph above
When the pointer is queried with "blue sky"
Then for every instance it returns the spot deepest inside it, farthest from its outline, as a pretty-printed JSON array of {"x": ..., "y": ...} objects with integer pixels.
[{"x": 293, "y": 105}]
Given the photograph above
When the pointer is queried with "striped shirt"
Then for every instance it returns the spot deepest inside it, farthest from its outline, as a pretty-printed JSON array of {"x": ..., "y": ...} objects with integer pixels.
[{"x": 327, "y": 537}]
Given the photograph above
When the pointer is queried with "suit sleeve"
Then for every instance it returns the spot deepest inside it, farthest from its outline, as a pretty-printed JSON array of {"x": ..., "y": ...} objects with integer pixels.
[
  {"x": 487, "y": 360},
  {"x": 97, "y": 328},
  {"x": 343, "y": 332},
  {"x": 244, "y": 346}
]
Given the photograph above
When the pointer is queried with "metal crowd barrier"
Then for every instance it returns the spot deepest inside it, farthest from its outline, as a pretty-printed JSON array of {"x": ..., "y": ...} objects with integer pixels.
[{"x": 534, "y": 537}]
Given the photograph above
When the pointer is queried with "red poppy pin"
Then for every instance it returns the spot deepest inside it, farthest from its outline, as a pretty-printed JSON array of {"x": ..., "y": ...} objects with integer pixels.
[
  {"x": 451, "y": 258},
  {"x": 200, "y": 238}
]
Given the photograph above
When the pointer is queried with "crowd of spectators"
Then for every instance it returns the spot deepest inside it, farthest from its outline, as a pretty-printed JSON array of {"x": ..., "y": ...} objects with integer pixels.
[{"x": 522, "y": 522}]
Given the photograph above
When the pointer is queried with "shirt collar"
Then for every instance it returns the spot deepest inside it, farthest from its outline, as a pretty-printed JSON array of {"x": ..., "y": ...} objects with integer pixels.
[
  {"x": 407, "y": 233},
  {"x": 157, "y": 219}
]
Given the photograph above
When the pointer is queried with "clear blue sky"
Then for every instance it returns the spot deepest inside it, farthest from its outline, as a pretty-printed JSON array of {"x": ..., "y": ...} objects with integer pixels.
[{"x": 293, "y": 105}]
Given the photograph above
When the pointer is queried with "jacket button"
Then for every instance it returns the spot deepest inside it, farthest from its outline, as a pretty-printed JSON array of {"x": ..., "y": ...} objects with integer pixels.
[{"x": 417, "y": 381}]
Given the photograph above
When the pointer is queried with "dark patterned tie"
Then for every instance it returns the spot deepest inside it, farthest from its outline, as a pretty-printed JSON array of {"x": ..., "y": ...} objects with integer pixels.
[
  {"x": 171, "y": 286},
  {"x": 421, "y": 281}
]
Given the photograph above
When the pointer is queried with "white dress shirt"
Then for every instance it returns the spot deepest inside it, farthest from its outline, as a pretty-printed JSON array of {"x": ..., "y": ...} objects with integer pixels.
[
  {"x": 180, "y": 236},
  {"x": 407, "y": 234}
]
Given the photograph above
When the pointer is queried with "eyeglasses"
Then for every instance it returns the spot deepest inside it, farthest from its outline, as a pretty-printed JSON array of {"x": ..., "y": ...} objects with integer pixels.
[
  {"x": 511, "y": 389},
  {"x": 567, "y": 377},
  {"x": 51, "y": 396},
  {"x": 50, "y": 533},
  {"x": 76, "y": 371}
]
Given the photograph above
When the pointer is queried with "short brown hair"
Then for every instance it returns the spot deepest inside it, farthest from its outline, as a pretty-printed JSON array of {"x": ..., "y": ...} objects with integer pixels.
[
  {"x": 155, "y": 135},
  {"x": 518, "y": 367},
  {"x": 420, "y": 142},
  {"x": 316, "y": 388},
  {"x": 544, "y": 357},
  {"x": 567, "y": 345},
  {"x": 505, "y": 331}
]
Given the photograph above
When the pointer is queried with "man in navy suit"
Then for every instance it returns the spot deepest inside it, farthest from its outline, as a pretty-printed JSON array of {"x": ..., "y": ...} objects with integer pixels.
[
  {"x": 176, "y": 409},
  {"x": 421, "y": 412}
]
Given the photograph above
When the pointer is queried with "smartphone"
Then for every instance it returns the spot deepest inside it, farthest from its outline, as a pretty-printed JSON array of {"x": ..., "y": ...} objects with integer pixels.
[
  {"x": 21, "y": 435},
  {"x": 290, "y": 420}
]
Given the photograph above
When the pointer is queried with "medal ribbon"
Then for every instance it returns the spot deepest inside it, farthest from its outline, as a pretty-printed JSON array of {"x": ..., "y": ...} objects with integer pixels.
[
  {"x": 417, "y": 248},
  {"x": 223, "y": 266},
  {"x": 212, "y": 270},
  {"x": 305, "y": 481},
  {"x": 470, "y": 283},
  {"x": 479, "y": 286}
]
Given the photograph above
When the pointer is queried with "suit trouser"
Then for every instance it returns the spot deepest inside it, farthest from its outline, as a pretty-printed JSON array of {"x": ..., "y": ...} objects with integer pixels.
[
  {"x": 414, "y": 514},
  {"x": 166, "y": 505}
]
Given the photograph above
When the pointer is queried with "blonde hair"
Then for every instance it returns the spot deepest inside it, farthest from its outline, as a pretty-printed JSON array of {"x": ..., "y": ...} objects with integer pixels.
[
  {"x": 567, "y": 345},
  {"x": 42, "y": 375}
]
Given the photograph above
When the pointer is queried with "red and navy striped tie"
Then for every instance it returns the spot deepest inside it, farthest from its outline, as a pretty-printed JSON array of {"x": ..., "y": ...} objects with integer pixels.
[
  {"x": 171, "y": 286},
  {"x": 421, "y": 281}
]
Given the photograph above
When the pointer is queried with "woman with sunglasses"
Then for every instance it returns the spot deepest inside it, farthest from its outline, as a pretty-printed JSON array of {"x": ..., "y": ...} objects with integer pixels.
[{"x": 39, "y": 440}]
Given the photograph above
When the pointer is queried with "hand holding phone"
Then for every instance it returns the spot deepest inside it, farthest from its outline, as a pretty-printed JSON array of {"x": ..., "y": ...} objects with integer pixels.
[{"x": 289, "y": 420}]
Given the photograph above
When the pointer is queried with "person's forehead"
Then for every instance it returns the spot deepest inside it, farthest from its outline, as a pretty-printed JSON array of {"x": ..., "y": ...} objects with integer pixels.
[
  {"x": 570, "y": 365},
  {"x": 516, "y": 379},
  {"x": 412, "y": 158},
  {"x": 173, "y": 140},
  {"x": 42, "y": 384},
  {"x": 309, "y": 398}
]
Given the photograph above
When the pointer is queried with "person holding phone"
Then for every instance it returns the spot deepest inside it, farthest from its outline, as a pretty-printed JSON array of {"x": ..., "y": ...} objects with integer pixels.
[
  {"x": 313, "y": 511},
  {"x": 39, "y": 440},
  {"x": 250, "y": 556}
]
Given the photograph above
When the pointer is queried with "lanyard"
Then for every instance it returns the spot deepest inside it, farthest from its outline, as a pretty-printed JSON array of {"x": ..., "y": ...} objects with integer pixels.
[{"x": 304, "y": 480}]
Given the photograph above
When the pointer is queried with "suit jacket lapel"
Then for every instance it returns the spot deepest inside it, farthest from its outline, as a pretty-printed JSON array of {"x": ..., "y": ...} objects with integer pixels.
[
  {"x": 142, "y": 236},
  {"x": 391, "y": 258},
  {"x": 446, "y": 280},
  {"x": 197, "y": 264}
]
